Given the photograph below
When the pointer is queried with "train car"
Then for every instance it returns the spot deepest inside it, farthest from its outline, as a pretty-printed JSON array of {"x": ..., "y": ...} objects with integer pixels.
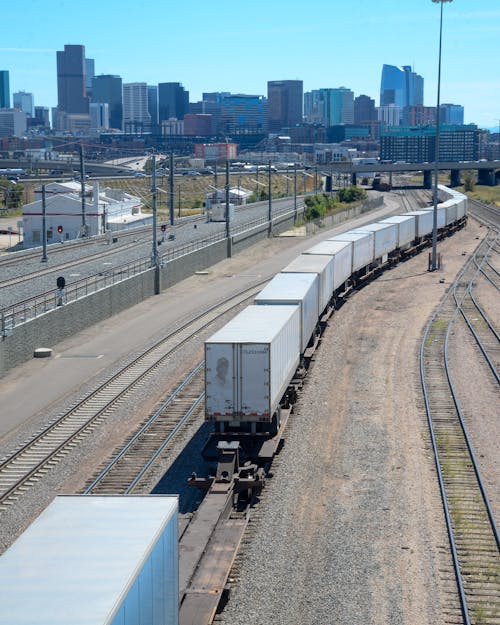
[
  {"x": 423, "y": 223},
  {"x": 320, "y": 265},
  {"x": 406, "y": 230},
  {"x": 362, "y": 250},
  {"x": 249, "y": 364},
  {"x": 296, "y": 289},
  {"x": 341, "y": 251},
  {"x": 384, "y": 239},
  {"x": 98, "y": 560}
]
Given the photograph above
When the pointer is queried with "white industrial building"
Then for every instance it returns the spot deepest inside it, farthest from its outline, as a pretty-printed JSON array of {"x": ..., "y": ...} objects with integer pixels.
[
  {"x": 108, "y": 210},
  {"x": 237, "y": 196}
]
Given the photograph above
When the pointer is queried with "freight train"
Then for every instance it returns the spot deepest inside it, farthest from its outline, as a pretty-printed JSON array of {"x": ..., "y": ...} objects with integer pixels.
[{"x": 253, "y": 365}]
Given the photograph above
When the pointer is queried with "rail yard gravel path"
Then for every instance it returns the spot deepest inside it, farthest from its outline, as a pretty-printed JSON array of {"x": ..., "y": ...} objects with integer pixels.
[{"x": 351, "y": 528}]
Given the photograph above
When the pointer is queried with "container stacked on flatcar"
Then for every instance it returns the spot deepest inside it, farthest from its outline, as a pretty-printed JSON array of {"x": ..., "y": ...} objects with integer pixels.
[{"x": 252, "y": 360}]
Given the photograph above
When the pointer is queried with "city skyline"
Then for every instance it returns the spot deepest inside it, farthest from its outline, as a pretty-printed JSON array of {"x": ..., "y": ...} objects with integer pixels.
[{"x": 239, "y": 50}]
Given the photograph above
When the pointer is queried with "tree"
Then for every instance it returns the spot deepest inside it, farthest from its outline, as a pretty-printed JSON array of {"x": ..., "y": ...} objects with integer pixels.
[{"x": 469, "y": 180}]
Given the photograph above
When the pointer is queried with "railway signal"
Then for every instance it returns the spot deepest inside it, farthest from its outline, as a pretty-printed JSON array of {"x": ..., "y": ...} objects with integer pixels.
[
  {"x": 60, "y": 231},
  {"x": 163, "y": 228},
  {"x": 61, "y": 283}
]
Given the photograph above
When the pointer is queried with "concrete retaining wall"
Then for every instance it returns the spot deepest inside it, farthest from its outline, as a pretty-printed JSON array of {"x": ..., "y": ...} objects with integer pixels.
[{"x": 59, "y": 324}]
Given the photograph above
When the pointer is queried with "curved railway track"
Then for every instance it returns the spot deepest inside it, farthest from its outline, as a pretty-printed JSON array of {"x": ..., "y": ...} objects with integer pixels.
[
  {"x": 131, "y": 463},
  {"x": 27, "y": 465},
  {"x": 471, "y": 526}
]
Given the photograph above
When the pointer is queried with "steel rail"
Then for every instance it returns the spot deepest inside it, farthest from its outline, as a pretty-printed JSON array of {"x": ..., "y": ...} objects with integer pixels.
[
  {"x": 432, "y": 347},
  {"x": 460, "y": 307},
  {"x": 124, "y": 380},
  {"x": 145, "y": 428}
]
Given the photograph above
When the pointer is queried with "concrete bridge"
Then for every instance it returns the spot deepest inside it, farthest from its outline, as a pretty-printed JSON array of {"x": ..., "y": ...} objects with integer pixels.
[{"x": 488, "y": 172}]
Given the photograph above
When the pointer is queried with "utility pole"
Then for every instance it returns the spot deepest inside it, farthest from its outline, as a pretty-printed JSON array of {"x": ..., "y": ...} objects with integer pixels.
[
  {"x": 82, "y": 184},
  {"x": 228, "y": 213},
  {"x": 154, "y": 253},
  {"x": 171, "y": 188},
  {"x": 44, "y": 226},
  {"x": 270, "y": 206},
  {"x": 295, "y": 192}
]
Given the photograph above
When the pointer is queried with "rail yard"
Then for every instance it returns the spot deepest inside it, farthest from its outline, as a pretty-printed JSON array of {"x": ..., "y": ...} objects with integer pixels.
[{"x": 349, "y": 527}]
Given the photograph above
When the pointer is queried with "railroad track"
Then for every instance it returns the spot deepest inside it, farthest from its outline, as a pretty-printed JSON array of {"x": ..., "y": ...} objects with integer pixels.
[
  {"x": 123, "y": 474},
  {"x": 472, "y": 529},
  {"x": 25, "y": 467},
  {"x": 488, "y": 215}
]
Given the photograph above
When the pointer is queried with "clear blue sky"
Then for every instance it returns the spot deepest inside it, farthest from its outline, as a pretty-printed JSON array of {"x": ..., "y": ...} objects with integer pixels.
[{"x": 226, "y": 45}]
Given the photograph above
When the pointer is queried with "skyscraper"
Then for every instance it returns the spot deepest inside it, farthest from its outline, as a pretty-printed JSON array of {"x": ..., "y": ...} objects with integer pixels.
[
  {"x": 401, "y": 86},
  {"x": 173, "y": 101},
  {"x": 451, "y": 114},
  {"x": 135, "y": 106},
  {"x": 364, "y": 109},
  {"x": 4, "y": 89},
  {"x": 284, "y": 98},
  {"x": 71, "y": 90},
  {"x": 153, "y": 103},
  {"x": 24, "y": 102},
  {"x": 242, "y": 113},
  {"x": 108, "y": 89},
  {"x": 89, "y": 75}
]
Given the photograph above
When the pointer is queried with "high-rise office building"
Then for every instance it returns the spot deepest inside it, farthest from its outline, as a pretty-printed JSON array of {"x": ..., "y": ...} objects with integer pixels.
[
  {"x": 42, "y": 114},
  {"x": 329, "y": 107},
  {"x": 108, "y": 89},
  {"x": 24, "y": 102},
  {"x": 451, "y": 114},
  {"x": 284, "y": 100},
  {"x": 153, "y": 103},
  {"x": 99, "y": 116},
  {"x": 89, "y": 75},
  {"x": 242, "y": 113},
  {"x": 173, "y": 101},
  {"x": 135, "y": 107},
  {"x": 401, "y": 86},
  {"x": 364, "y": 109},
  {"x": 4, "y": 89},
  {"x": 71, "y": 90}
]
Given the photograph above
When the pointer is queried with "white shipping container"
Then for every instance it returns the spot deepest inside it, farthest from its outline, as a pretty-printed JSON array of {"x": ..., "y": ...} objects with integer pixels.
[
  {"x": 406, "y": 229},
  {"x": 450, "y": 206},
  {"x": 299, "y": 289},
  {"x": 250, "y": 362},
  {"x": 384, "y": 238},
  {"x": 441, "y": 215},
  {"x": 342, "y": 255},
  {"x": 320, "y": 265},
  {"x": 94, "y": 560},
  {"x": 362, "y": 248},
  {"x": 423, "y": 222}
]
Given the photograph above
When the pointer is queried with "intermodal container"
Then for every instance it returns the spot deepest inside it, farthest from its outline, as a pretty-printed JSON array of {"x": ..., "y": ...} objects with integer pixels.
[
  {"x": 320, "y": 265},
  {"x": 250, "y": 362},
  {"x": 342, "y": 258},
  {"x": 362, "y": 248},
  {"x": 406, "y": 229},
  {"x": 384, "y": 238},
  {"x": 423, "y": 222},
  {"x": 299, "y": 289},
  {"x": 97, "y": 560}
]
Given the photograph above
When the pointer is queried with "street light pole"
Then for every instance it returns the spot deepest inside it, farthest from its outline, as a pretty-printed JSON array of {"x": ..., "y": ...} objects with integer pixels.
[{"x": 433, "y": 266}]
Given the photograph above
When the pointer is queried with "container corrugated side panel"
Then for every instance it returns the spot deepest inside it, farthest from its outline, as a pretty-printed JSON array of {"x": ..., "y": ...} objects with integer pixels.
[
  {"x": 322, "y": 265},
  {"x": 406, "y": 228},
  {"x": 285, "y": 357},
  {"x": 362, "y": 248},
  {"x": 342, "y": 254},
  {"x": 301, "y": 289},
  {"x": 441, "y": 215},
  {"x": 385, "y": 237},
  {"x": 423, "y": 222},
  {"x": 450, "y": 207}
]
